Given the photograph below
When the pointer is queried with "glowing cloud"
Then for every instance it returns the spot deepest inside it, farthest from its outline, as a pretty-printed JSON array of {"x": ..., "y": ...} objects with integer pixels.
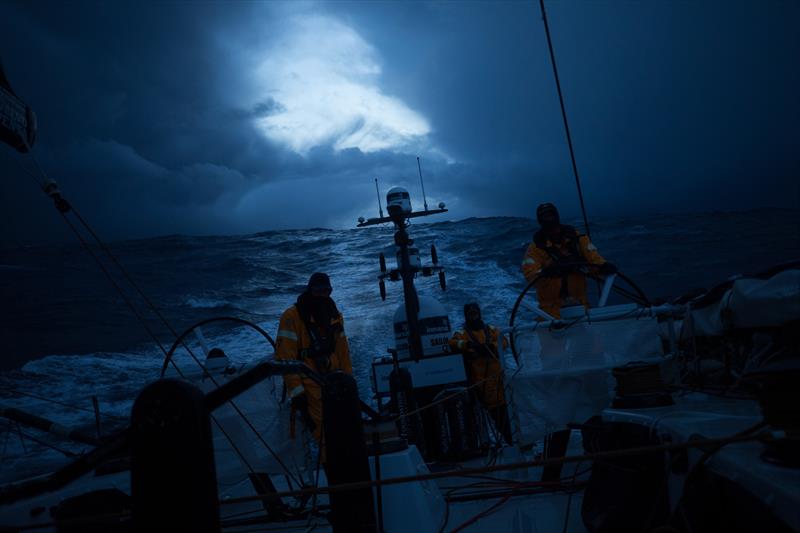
[{"x": 320, "y": 78}]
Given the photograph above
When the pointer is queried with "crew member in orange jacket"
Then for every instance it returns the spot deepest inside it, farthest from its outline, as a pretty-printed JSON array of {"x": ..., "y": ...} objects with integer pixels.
[
  {"x": 312, "y": 331},
  {"x": 558, "y": 254},
  {"x": 479, "y": 342}
]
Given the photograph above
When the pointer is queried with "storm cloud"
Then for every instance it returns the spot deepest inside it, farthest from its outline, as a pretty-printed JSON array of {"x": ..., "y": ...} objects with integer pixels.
[{"x": 215, "y": 118}]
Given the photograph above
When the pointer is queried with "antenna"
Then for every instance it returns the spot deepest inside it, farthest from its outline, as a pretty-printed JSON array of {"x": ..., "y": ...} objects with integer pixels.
[
  {"x": 378, "y": 192},
  {"x": 424, "y": 200}
]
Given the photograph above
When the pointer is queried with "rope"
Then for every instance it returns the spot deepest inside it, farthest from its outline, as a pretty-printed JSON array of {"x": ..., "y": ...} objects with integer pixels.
[
  {"x": 482, "y": 514},
  {"x": 699, "y": 443},
  {"x": 446, "y": 398},
  {"x": 639, "y": 450},
  {"x": 564, "y": 116}
]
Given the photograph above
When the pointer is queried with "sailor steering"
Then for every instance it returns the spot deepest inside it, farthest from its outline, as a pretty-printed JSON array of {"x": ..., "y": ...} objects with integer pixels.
[{"x": 560, "y": 256}]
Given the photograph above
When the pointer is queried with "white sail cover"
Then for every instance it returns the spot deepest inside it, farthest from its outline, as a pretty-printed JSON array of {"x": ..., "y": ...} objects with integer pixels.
[
  {"x": 749, "y": 303},
  {"x": 565, "y": 375}
]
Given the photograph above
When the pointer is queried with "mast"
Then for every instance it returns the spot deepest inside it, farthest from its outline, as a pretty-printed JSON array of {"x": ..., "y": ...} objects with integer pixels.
[{"x": 564, "y": 117}]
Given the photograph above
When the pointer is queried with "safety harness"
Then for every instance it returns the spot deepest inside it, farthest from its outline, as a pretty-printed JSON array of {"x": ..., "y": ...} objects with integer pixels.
[
  {"x": 487, "y": 348},
  {"x": 322, "y": 345},
  {"x": 570, "y": 240},
  {"x": 320, "y": 351},
  {"x": 570, "y": 237}
]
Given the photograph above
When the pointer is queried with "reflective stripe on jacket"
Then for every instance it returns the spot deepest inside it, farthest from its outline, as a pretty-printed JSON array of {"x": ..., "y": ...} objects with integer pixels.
[
  {"x": 293, "y": 340},
  {"x": 482, "y": 365},
  {"x": 546, "y": 252}
]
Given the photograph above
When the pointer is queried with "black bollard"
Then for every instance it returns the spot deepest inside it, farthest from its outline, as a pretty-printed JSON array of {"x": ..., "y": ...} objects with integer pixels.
[
  {"x": 346, "y": 452},
  {"x": 173, "y": 477}
]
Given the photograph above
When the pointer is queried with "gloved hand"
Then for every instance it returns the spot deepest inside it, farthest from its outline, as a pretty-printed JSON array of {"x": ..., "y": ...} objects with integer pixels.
[
  {"x": 551, "y": 271},
  {"x": 608, "y": 268}
]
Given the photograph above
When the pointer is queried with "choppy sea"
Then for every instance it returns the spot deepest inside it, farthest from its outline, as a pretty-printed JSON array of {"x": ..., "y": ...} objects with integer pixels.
[{"x": 67, "y": 335}]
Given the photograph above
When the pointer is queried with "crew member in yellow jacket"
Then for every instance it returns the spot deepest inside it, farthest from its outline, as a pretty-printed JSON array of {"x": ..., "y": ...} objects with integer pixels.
[
  {"x": 558, "y": 255},
  {"x": 312, "y": 331},
  {"x": 479, "y": 342}
]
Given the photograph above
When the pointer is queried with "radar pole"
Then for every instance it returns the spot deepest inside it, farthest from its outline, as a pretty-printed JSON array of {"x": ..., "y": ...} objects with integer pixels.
[
  {"x": 406, "y": 272},
  {"x": 378, "y": 192},
  {"x": 422, "y": 184},
  {"x": 402, "y": 240}
]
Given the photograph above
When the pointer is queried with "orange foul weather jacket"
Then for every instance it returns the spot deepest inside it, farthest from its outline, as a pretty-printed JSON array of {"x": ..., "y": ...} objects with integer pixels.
[
  {"x": 294, "y": 343},
  {"x": 570, "y": 249},
  {"x": 483, "y": 363}
]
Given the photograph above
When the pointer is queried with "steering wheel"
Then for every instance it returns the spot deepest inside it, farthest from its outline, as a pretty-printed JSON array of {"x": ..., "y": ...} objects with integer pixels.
[
  {"x": 182, "y": 336},
  {"x": 635, "y": 294}
]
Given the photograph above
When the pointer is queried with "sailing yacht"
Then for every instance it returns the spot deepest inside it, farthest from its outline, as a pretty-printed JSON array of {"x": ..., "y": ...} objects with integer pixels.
[{"x": 636, "y": 415}]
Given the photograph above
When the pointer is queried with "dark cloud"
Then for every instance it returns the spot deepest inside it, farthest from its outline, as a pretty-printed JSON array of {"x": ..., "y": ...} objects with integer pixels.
[
  {"x": 267, "y": 108},
  {"x": 149, "y": 113}
]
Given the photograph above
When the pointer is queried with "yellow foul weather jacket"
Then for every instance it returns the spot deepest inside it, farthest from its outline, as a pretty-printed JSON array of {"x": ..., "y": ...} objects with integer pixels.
[
  {"x": 294, "y": 343},
  {"x": 483, "y": 364},
  {"x": 570, "y": 250}
]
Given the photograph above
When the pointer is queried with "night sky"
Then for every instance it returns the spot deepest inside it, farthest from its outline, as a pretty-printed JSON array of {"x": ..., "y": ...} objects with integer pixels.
[{"x": 218, "y": 118}]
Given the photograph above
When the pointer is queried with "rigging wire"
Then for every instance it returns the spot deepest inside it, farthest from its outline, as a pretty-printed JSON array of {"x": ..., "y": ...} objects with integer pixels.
[
  {"x": 113, "y": 282},
  {"x": 66, "y": 453},
  {"x": 58, "y": 402},
  {"x": 564, "y": 116},
  {"x": 130, "y": 280},
  {"x": 179, "y": 342},
  {"x": 149, "y": 331}
]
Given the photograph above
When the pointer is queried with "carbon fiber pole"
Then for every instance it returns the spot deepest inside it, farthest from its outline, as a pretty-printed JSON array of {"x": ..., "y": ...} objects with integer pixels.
[{"x": 564, "y": 116}]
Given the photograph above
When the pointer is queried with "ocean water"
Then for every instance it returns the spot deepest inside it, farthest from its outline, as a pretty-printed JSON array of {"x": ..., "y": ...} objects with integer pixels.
[{"x": 67, "y": 335}]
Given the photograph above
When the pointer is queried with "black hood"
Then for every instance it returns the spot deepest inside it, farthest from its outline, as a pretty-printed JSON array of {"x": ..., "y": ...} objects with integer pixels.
[
  {"x": 473, "y": 324},
  {"x": 547, "y": 216},
  {"x": 322, "y": 309}
]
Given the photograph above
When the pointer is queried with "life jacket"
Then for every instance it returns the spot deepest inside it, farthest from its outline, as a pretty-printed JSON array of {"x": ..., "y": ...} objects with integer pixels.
[
  {"x": 566, "y": 251},
  {"x": 323, "y": 338},
  {"x": 486, "y": 348}
]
